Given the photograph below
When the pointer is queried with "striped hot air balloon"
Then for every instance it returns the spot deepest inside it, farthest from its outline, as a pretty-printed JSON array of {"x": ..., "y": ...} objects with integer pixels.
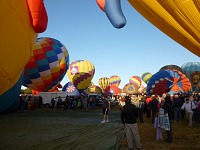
[
  {"x": 80, "y": 73},
  {"x": 115, "y": 80},
  {"x": 104, "y": 82},
  {"x": 47, "y": 66},
  {"x": 135, "y": 80},
  {"x": 146, "y": 76}
]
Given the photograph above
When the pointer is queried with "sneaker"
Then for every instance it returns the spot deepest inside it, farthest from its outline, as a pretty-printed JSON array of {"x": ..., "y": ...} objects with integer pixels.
[
  {"x": 103, "y": 121},
  {"x": 107, "y": 120}
]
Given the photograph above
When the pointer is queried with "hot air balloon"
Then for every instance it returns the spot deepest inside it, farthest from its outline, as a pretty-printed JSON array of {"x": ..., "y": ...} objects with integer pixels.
[
  {"x": 142, "y": 89},
  {"x": 130, "y": 88},
  {"x": 48, "y": 65},
  {"x": 104, "y": 82},
  {"x": 135, "y": 80},
  {"x": 115, "y": 80},
  {"x": 93, "y": 89},
  {"x": 171, "y": 67},
  {"x": 179, "y": 19},
  {"x": 146, "y": 76},
  {"x": 80, "y": 73},
  {"x": 70, "y": 89},
  {"x": 112, "y": 89},
  {"x": 168, "y": 81},
  {"x": 192, "y": 71}
]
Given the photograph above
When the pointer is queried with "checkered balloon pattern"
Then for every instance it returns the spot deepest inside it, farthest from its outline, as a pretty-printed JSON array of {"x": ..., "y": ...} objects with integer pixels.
[{"x": 47, "y": 66}]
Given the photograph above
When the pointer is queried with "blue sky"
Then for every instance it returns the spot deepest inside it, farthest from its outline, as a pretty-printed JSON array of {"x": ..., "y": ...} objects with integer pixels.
[{"x": 88, "y": 35}]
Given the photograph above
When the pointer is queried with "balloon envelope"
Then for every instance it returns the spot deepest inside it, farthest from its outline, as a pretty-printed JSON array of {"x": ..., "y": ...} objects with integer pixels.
[
  {"x": 48, "y": 65},
  {"x": 93, "y": 89},
  {"x": 115, "y": 80},
  {"x": 130, "y": 88},
  {"x": 80, "y": 73},
  {"x": 179, "y": 19},
  {"x": 146, "y": 76},
  {"x": 135, "y": 80},
  {"x": 104, "y": 82},
  {"x": 192, "y": 71},
  {"x": 112, "y": 89},
  {"x": 171, "y": 67},
  {"x": 70, "y": 89},
  {"x": 168, "y": 81}
]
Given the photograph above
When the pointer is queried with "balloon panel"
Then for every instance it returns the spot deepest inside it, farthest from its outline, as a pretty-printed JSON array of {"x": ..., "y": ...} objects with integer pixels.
[
  {"x": 48, "y": 65},
  {"x": 130, "y": 88},
  {"x": 115, "y": 80},
  {"x": 171, "y": 67},
  {"x": 104, "y": 82},
  {"x": 178, "y": 19},
  {"x": 18, "y": 39},
  {"x": 93, "y": 89},
  {"x": 70, "y": 89},
  {"x": 135, "y": 80},
  {"x": 146, "y": 76}
]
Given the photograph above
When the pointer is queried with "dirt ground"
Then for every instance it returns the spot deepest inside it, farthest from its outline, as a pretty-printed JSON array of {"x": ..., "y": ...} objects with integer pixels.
[{"x": 48, "y": 129}]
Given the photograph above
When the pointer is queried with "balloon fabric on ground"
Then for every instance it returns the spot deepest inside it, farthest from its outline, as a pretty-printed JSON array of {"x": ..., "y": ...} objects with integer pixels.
[
  {"x": 70, "y": 89},
  {"x": 48, "y": 65},
  {"x": 168, "y": 81},
  {"x": 80, "y": 73}
]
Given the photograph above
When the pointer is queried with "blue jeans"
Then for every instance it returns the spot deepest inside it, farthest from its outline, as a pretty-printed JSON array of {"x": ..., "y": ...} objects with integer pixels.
[{"x": 177, "y": 114}]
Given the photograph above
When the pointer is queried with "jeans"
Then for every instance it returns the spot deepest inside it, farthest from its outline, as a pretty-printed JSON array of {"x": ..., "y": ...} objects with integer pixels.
[{"x": 177, "y": 114}]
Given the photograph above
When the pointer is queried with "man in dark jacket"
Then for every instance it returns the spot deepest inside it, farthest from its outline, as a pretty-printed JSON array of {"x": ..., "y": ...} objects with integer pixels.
[{"x": 129, "y": 116}]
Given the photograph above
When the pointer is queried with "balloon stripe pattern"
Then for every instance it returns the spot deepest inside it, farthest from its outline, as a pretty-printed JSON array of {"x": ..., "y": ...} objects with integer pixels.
[
  {"x": 135, "y": 80},
  {"x": 115, "y": 80},
  {"x": 48, "y": 65},
  {"x": 104, "y": 82},
  {"x": 168, "y": 81},
  {"x": 146, "y": 76},
  {"x": 81, "y": 73}
]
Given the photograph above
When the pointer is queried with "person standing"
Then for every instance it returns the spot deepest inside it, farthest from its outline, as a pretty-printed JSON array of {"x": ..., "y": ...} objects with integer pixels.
[
  {"x": 106, "y": 108},
  {"x": 129, "y": 114},
  {"x": 168, "y": 112}
]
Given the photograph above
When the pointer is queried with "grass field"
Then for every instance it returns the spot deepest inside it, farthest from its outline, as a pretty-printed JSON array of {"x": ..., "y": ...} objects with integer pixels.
[{"x": 60, "y": 129}]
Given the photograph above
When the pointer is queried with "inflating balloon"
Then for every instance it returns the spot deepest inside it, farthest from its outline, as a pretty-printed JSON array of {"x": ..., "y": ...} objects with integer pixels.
[
  {"x": 115, "y": 80},
  {"x": 113, "y": 11},
  {"x": 168, "y": 81},
  {"x": 80, "y": 73},
  {"x": 93, "y": 89},
  {"x": 192, "y": 71},
  {"x": 179, "y": 19},
  {"x": 104, "y": 82},
  {"x": 171, "y": 67},
  {"x": 135, "y": 80},
  {"x": 70, "y": 89},
  {"x": 146, "y": 76},
  {"x": 112, "y": 89},
  {"x": 17, "y": 42},
  {"x": 10, "y": 99},
  {"x": 48, "y": 65},
  {"x": 130, "y": 88}
]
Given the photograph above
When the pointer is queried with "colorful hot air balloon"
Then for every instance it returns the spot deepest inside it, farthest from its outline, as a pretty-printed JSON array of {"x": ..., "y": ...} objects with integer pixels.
[
  {"x": 130, "y": 88},
  {"x": 179, "y": 19},
  {"x": 93, "y": 89},
  {"x": 112, "y": 89},
  {"x": 48, "y": 65},
  {"x": 80, "y": 73},
  {"x": 192, "y": 71},
  {"x": 168, "y": 81},
  {"x": 115, "y": 80},
  {"x": 146, "y": 76},
  {"x": 171, "y": 67},
  {"x": 70, "y": 89},
  {"x": 104, "y": 82},
  {"x": 135, "y": 80}
]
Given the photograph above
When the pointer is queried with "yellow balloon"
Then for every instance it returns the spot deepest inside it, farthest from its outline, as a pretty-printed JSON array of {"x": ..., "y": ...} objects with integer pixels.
[
  {"x": 17, "y": 41},
  {"x": 179, "y": 19},
  {"x": 80, "y": 73}
]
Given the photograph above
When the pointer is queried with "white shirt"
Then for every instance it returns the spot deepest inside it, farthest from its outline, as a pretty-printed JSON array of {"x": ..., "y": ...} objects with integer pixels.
[{"x": 188, "y": 107}]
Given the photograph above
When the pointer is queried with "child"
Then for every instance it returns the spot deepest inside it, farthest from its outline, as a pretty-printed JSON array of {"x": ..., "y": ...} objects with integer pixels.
[{"x": 158, "y": 129}]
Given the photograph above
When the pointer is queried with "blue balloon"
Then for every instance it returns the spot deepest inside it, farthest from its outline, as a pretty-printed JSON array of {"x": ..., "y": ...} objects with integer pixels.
[
  {"x": 9, "y": 100},
  {"x": 114, "y": 13},
  {"x": 70, "y": 89}
]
